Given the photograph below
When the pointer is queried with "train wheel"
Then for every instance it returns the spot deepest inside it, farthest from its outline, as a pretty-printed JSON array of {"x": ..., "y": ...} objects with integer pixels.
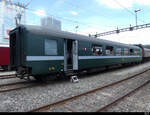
[
  {"x": 107, "y": 67},
  {"x": 44, "y": 78},
  {"x": 38, "y": 78},
  {"x": 41, "y": 79},
  {"x": 62, "y": 76}
]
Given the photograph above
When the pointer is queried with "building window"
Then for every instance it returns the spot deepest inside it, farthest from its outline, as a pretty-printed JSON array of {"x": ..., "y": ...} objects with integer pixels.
[
  {"x": 126, "y": 51},
  {"x": 109, "y": 51},
  {"x": 97, "y": 50},
  {"x": 50, "y": 47},
  {"x": 118, "y": 51}
]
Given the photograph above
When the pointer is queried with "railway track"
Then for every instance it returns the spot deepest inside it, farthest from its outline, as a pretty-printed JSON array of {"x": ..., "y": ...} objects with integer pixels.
[
  {"x": 7, "y": 77},
  {"x": 64, "y": 103},
  {"x": 104, "y": 109},
  {"x": 30, "y": 84}
]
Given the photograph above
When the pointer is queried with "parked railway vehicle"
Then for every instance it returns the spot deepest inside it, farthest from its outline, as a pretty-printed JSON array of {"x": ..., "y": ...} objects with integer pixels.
[
  {"x": 146, "y": 46},
  {"x": 40, "y": 52},
  {"x": 4, "y": 56},
  {"x": 145, "y": 52}
]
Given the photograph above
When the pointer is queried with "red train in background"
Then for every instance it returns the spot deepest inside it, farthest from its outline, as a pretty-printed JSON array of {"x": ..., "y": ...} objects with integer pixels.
[
  {"x": 4, "y": 56},
  {"x": 145, "y": 52}
]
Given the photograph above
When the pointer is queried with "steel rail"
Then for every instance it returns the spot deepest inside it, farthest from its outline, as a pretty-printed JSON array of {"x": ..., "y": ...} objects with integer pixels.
[
  {"x": 1, "y": 76},
  {"x": 11, "y": 84},
  {"x": 7, "y": 78},
  {"x": 15, "y": 89},
  {"x": 104, "y": 109},
  {"x": 46, "y": 107}
]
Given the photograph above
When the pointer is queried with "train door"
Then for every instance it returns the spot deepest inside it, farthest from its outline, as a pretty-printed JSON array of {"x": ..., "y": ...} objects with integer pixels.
[
  {"x": 15, "y": 48},
  {"x": 75, "y": 54},
  {"x": 70, "y": 55}
]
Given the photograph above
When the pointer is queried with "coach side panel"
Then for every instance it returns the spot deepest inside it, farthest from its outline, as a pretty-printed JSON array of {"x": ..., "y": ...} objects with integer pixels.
[
  {"x": 44, "y": 54},
  {"x": 92, "y": 55}
]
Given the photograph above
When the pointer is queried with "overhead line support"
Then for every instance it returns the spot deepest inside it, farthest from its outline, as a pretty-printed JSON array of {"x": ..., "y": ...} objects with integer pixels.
[{"x": 122, "y": 30}]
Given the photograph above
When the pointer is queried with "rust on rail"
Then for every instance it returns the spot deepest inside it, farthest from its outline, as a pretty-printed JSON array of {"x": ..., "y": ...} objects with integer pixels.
[{"x": 84, "y": 94}]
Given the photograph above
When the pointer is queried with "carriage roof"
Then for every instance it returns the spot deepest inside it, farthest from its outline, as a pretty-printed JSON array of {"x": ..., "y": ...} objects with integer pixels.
[{"x": 68, "y": 35}]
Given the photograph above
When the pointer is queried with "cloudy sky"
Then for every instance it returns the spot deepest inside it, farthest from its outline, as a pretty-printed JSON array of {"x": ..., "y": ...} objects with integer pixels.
[{"x": 95, "y": 16}]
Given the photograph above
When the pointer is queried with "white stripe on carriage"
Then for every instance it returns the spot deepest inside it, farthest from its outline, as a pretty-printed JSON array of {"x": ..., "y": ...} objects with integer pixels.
[
  {"x": 49, "y": 58},
  {"x": 44, "y": 58},
  {"x": 106, "y": 57}
]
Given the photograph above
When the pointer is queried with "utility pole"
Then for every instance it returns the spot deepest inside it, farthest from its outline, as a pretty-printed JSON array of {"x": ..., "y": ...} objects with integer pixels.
[
  {"x": 18, "y": 16},
  {"x": 137, "y": 10},
  {"x": 18, "y": 19},
  {"x": 76, "y": 28}
]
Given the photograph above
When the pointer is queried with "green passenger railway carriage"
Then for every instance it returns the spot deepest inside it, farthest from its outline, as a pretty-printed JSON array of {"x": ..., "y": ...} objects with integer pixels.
[{"x": 37, "y": 51}]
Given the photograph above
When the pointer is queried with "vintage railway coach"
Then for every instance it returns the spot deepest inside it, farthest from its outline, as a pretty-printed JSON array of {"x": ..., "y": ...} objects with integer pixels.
[
  {"x": 145, "y": 52},
  {"x": 37, "y": 51}
]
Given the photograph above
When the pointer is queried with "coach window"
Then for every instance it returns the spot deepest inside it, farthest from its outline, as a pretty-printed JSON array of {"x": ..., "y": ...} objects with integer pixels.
[
  {"x": 50, "y": 47},
  {"x": 109, "y": 51},
  {"x": 136, "y": 52},
  {"x": 126, "y": 51},
  {"x": 97, "y": 50},
  {"x": 131, "y": 51},
  {"x": 118, "y": 51}
]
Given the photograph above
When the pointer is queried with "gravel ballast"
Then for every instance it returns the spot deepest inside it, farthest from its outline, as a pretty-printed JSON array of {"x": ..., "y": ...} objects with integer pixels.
[{"x": 28, "y": 99}]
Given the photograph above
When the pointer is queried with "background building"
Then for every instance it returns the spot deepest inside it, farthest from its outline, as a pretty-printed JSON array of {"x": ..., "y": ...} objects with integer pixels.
[
  {"x": 51, "y": 23},
  {"x": 8, "y": 12}
]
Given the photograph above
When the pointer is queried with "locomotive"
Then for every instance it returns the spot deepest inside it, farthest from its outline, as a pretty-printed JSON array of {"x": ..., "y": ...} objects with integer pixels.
[{"x": 42, "y": 52}]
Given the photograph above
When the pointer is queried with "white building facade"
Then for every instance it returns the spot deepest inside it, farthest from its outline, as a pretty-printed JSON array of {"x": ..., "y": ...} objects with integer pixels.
[{"x": 8, "y": 12}]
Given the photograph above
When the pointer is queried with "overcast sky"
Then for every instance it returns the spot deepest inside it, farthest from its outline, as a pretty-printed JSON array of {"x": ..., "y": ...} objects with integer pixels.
[{"x": 95, "y": 16}]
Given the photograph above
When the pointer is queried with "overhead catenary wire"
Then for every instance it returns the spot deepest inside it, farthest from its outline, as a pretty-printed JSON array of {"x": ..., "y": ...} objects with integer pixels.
[
  {"x": 63, "y": 18},
  {"x": 74, "y": 21},
  {"x": 127, "y": 9},
  {"x": 92, "y": 12},
  {"x": 68, "y": 19},
  {"x": 124, "y": 7},
  {"x": 28, "y": 4},
  {"x": 89, "y": 25}
]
